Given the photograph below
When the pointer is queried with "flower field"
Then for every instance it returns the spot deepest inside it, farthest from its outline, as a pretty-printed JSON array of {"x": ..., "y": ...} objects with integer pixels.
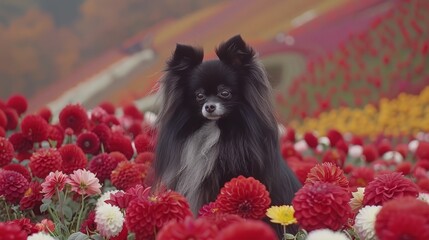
[{"x": 356, "y": 135}]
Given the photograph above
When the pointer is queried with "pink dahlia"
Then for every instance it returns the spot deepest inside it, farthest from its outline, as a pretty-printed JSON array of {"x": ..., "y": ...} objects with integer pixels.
[
  {"x": 6, "y": 152},
  {"x": 387, "y": 187},
  {"x": 249, "y": 230},
  {"x": 88, "y": 142},
  {"x": 189, "y": 228},
  {"x": 74, "y": 116},
  {"x": 73, "y": 158},
  {"x": 329, "y": 173},
  {"x": 12, "y": 186},
  {"x": 54, "y": 182},
  {"x": 322, "y": 205},
  {"x": 18, "y": 102},
  {"x": 84, "y": 182},
  {"x": 44, "y": 161},
  {"x": 246, "y": 197},
  {"x": 35, "y": 128}
]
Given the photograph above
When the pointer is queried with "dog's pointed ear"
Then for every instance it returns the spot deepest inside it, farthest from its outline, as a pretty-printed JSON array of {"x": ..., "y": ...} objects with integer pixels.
[
  {"x": 185, "y": 58},
  {"x": 235, "y": 52}
]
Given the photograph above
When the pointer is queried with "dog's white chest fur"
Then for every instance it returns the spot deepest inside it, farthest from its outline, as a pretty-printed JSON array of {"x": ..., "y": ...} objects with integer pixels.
[{"x": 197, "y": 161}]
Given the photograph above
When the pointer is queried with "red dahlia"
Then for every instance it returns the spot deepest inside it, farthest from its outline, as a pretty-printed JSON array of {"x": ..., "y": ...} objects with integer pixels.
[
  {"x": 88, "y": 226},
  {"x": 403, "y": 218},
  {"x": 44, "y": 161},
  {"x": 422, "y": 151},
  {"x": 3, "y": 119},
  {"x": 102, "y": 166},
  {"x": 32, "y": 197},
  {"x": 20, "y": 142},
  {"x": 132, "y": 111},
  {"x": 2, "y": 132},
  {"x": 249, "y": 230},
  {"x": 144, "y": 143},
  {"x": 74, "y": 116},
  {"x": 334, "y": 136},
  {"x": 12, "y": 186},
  {"x": 145, "y": 158},
  {"x": 108, "y": 107},
  {"x": 128, "y": 174},
  {"x": 35, "y": 128},
  {"x": 189, "y": 228},
  {"x": 19, "y": 169},
  {"x": 46, "y": 114},
  {"x": 88, "y": 142},
  {"x": 223, "y": 220},
  {"x": 361, "y": 176},
  {"x": 208, "y": 209},
  {"x": 146, "y": 216},
  {"x": 26, "y": 225},
  {"x": 119, "y": 142},
  {"x": 122, "y": 199},
  {"x": 135, "y": 128},
  {"x": 334, "y": 156},
  {"x": 322, "y": 205},
  {"x": 17, "y": 102},
  {"x": 384, "y": 146},
  {"x": 6, "y": 151},
  {"x": 370, "y": 153},
  {"x": 329, "y": 173},
  {"x": 387, "y": 187},
  {"x": 11, "y": 231},
  {"x": 311, "y": 140},
  {"x": 12, "y": 118},
  {"x": 73, "y": 158},
  {"x": 246, "y": 197},
  {"x": 56, "y": 135},
  {"x": 103, "y": 132}
]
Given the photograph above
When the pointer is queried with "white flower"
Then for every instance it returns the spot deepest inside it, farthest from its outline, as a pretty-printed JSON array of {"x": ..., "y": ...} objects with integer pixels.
[
  {"x": 413, "y": 145},
  {"x": 324, "y": 234},
  {"x": 109, "y": 220},
  {"x": 424, "y": 197},
  {"x": 324, "y": 141},
  {"x": 105, "y": 196},
  {"x": 300, "y": 146},
  {"x": 150, "y": 118},
  {"x": 365, "y": 222},
  {"x": 355, "y": 151},
  {"x": 40, "y": 236},
  {"x": 356, "y": 201},
  {"x": 393, "y": 155}
]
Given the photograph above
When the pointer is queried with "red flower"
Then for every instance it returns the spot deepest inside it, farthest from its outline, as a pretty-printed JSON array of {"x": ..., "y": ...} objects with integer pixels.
[
  {"x": 289, "y": 136},
  {"x": 26, "y": 225},
  {"x": 145, "y": 158},
  {"x": 35, "y": 128},
  {"x": 103, "y": 132},
  {"x": 334, "y": 156},
  {"x": 341, "y": 145},
  {"x": 422, "y": 151},
  {"x": 248, "y": 230},
  {"x": 361, "y": 176},
  {"x": 74, "y": 117},
  {"x": 56, "y": 135},
  {"x": 322, "y": 205},
  {"x": 102, "y": 166},
  {"x": 135, "y": 129},
  {"x": 46, "y": 114},
  {"x": 356, "y": 141},
  {"x": 189, "y": 228},
  {"x": 108, "y": 107},
  {"x": 6, "y": 152},
  {"x": 44, "y": 161},
  {"x": 370, "y": 153},
  {"x": 18, "y": 102},
  {"x": 20, "y": 142},
  {"x": 132, "y": 111},
  {"x": 423, "y": 185},
  {"x": 122, "y": 199},
  {"x": 223, "y": 220},
  {"x": 127, "y": 175},
  {"x": 12, "y": 186},
  {"x": 3, "y": 119},
  {"x": 383, "y": 147},
  {"x": 334, "y": 136},
  {"x": 387, "y": 187},
  {"x": 73, "y": 158},
  {"x": 246, "y": 197},
  {"x": 404, "y": 168},
  {"x": 288, "y": 150},
  {"x": 120, "y": 143},
  {"x": 32, "y": 197},
  {"x": 12, "y": 118},
  {"x": 19, "y": 169},
  {"x": 88, "y": 226},
  {"x": 88, "y": 142},
  {"x": 11, "y": 231},
  {"x": 208, "y": 209},
  {"x": 403, "y": 218},
  {"x": 144, "y": 143},
  {"x": 146, "y": 216},
  {"x": 311, "y": 140},
  {"x": 328, "y": 173}
]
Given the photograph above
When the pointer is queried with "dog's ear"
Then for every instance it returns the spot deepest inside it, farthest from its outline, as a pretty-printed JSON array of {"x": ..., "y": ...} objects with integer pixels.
[
  {"x": 185, "y": 58},
  {"x": 235, "y": 52}
]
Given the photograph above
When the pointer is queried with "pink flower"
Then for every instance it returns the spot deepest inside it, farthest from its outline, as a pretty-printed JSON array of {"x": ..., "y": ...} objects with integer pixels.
[
  {"x": 84, "y": 182},
  {"x": 55, "y": 180}
]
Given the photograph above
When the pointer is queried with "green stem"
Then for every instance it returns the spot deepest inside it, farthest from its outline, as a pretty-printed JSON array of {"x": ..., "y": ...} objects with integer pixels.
[
  {"x": 60, "y": 206},
  {"x": 7, "y": 211},
  {"x": 80, "y": 213},
  {"x": 284, "y": 232},
  {"x": 55, "y": 219}
]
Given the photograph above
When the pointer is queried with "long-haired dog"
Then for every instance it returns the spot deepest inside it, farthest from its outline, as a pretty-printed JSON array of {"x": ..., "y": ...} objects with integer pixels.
[{"x": 216, "y": 123}]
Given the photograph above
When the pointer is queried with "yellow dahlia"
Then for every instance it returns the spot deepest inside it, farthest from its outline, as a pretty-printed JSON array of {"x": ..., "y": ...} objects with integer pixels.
[{"x": 281, "y": 214}]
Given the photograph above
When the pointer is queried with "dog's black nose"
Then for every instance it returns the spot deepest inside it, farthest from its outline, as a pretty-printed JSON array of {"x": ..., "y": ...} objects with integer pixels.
[{"x": 210, "y": 108}]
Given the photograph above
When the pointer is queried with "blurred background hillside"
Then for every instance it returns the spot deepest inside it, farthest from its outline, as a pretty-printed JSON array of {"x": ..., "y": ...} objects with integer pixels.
[{"x": 325, "y": 58}]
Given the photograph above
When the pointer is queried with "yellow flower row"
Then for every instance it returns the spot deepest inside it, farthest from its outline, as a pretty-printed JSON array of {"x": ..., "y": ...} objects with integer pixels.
[{"x": 406, "y": 114}]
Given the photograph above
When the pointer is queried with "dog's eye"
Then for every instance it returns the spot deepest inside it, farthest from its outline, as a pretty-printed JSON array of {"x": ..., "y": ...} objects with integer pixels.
[
  {"x": 225, "y": 94},
  {"x": 200, "y": 97}
]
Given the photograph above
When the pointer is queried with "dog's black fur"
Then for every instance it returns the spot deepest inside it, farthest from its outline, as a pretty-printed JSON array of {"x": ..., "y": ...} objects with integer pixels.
[{"x": 217, "y": 122}]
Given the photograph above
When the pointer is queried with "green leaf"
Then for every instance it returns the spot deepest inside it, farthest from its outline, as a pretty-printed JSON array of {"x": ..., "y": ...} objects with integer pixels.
[
  {"x": 97, "y": 237},
  {"x": 68, "y": 212},
  {"x": 44, "y": 207},
  {"x": 289, "y": 236},
  {"x": 301, "y": 235},
  {"x": 78, "y": 236}
]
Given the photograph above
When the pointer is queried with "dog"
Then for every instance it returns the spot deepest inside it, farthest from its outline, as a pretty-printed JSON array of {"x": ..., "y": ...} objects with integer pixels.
[{"x": 217, "y": 122}]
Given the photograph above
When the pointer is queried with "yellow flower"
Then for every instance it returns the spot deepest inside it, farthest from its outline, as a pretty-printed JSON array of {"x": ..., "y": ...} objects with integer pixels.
[{"x": 282, "y": 215}]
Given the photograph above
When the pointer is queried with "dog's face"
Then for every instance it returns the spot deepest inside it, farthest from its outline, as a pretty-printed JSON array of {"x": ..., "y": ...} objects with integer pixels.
[{"x": 213, "y": 89}]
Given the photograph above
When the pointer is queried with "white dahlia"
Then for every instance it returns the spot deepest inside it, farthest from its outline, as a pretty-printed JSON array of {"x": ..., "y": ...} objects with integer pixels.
[
  {"x": 365, "y": 222},
  {"x": 40, "y": 236},
  {"x": 109, "y": 219},
  {"x": 356, "y": 202},
  {"x": 324, "y": 234}
]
